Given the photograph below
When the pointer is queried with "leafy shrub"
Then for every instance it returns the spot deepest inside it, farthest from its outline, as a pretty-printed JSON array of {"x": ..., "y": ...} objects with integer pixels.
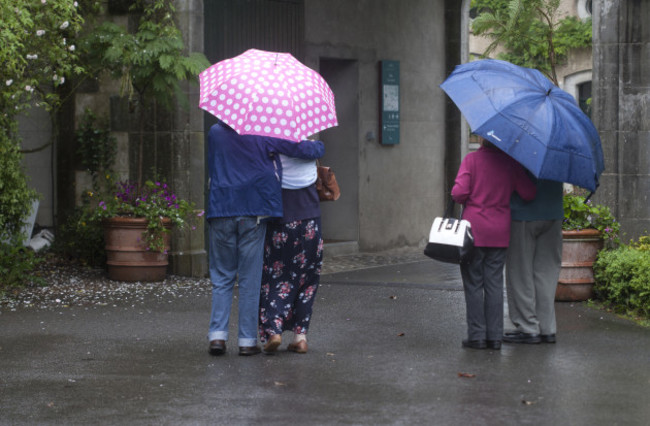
[
  {"x": 153, "y": 201},
  {"x": 81, "y": 238},
  {"x": 96, "y": 148},
  {"x": 579, "y": 215},
  {"x": 15, "y": 196},
  {"x": 623, "y": 278},
  {"x": 16, "y": 264}
]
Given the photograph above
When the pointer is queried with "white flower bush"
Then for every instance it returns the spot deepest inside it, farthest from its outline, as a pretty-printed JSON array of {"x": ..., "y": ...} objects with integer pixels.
[{"x": 32, "y": 51}]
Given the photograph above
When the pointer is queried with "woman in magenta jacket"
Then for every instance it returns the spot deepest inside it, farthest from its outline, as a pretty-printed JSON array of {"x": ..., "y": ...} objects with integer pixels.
[{"x": 485, "y": 181}]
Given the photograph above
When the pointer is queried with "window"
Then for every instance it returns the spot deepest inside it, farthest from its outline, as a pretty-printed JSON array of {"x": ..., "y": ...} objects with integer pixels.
[
  {"x": 584, "y": 97},
  {"x": 584, "y": 9}
]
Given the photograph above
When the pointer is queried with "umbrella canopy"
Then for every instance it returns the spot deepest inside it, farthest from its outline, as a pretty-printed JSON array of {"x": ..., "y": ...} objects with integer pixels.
[
  {"x": 268, "y": 94},
  {"x": 535, "y": 122}
]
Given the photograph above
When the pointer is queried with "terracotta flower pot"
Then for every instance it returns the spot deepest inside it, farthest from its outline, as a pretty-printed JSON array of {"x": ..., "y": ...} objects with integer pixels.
[
  {"x": 127, "y": 256},
  {"x": 579, "y": 251}
]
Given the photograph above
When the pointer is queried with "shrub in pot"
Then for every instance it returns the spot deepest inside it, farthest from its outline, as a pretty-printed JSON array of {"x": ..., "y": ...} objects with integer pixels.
[
  {"x": 137, "y": 222},
  {"x": 586, "y": 228}
]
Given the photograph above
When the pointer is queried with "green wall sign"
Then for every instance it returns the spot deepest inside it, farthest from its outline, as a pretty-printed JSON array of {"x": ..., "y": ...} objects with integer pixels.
[{"x": 389, "y": 121}]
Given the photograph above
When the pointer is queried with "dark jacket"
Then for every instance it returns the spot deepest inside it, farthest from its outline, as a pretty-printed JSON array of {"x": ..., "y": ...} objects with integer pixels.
[{"x": 245, "y": 172}]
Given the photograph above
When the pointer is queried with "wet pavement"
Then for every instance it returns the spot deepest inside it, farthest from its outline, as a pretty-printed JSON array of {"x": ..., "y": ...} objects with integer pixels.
[{"x": 384, "y": 348}]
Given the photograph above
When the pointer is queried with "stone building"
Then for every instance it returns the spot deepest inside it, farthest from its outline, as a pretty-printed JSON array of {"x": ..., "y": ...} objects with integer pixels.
[
  {"x": 574, "y": 75},
  {"x": 391, "y": 191},
  {"x": 620, "y": 109}
]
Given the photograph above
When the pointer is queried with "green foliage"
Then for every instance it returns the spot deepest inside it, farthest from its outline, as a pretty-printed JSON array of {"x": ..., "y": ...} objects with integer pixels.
[
  {"x": 580, "y": 215},
  {"x": 37, "y": 52},
  {"x": 530, "y": 33},
  {"x": 642, "y": 244},
  {"x": 572, "y": 33},
  {"x": 96, "y": 148},
  {"x": 623, "y": 279},
  {"x": 81, "y": 238},
  {"x": 15, "y": 195},
  {"x": 149, "y": 60},
  {"x": 489, "y": 5},
  {"x": 38, "y": 55},
  {"x": 16, "y": 265},
  {"x": 153, "y": 201}
]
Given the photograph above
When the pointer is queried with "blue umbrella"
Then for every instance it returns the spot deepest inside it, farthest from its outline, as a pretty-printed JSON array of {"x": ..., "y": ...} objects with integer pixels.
[{"x": 535, "y": 122}]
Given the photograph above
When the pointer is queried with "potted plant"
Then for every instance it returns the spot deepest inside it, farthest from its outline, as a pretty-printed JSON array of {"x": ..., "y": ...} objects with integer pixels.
[
  {"x": 137, "y": 221},
  {"x": 147, "y": 54},
  {"x": 586, "y": 228}
]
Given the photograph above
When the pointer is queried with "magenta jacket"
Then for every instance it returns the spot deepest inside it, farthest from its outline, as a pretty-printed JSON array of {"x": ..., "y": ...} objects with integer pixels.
[{"x": 485, "y": 181}]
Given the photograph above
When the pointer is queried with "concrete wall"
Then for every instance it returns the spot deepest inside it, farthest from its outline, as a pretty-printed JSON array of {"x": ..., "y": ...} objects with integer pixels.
[
  {"x": 401, "y": 187},
  {"x": 35, "y": 127},
  {"x": 620, "y": 109}
]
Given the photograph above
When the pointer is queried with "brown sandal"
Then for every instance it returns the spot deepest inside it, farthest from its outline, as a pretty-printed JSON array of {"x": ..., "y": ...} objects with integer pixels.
[
  {"x": 300, "y": 347},
  {"x": 273, "y": 343}
]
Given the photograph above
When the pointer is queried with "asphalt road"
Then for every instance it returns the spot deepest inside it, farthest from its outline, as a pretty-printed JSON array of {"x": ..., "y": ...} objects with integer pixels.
[{"x": 385, "y": 349}]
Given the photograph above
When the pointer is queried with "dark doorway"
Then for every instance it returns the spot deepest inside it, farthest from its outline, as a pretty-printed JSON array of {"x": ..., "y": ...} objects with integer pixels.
[{"x": 584, "y": 97}]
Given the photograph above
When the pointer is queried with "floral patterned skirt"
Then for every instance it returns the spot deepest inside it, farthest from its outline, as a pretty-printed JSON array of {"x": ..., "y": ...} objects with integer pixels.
[{"x": 293, "y": 256}]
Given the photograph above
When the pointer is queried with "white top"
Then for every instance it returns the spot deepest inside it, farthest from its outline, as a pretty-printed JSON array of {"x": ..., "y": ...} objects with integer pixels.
[{"x": 297, "y": 173}]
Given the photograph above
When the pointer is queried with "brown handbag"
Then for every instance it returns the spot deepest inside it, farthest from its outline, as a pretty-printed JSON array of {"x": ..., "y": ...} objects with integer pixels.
[{"x": 326, "y": 185}]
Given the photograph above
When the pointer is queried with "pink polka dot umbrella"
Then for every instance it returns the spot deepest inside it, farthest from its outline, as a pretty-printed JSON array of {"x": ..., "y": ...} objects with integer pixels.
[{"x": 268, "y": 94}]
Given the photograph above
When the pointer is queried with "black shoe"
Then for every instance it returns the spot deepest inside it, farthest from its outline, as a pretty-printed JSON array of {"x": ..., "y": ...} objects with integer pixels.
[
  {"x": 493, "y": 344},
  {"x": 474, "y": 344},
  {"x": 217, "y": 347},
  {"x": 249, "y": 350},
  {"x": 519, "y": 337},
  {"x": 548, "y": 338}
]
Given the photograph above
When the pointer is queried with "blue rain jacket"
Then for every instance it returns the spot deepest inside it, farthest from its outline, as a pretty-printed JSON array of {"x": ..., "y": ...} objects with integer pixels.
[{"x": 245, "y": 171}]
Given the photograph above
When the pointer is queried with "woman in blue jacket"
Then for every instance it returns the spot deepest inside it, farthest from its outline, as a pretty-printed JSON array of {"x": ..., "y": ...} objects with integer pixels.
[{"x": 245, "y": 188}]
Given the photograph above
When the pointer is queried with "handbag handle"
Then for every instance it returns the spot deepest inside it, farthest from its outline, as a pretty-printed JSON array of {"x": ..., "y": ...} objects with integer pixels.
[
  {"x": 454, "y": 222},
  {"x": 450, "y": 207}
]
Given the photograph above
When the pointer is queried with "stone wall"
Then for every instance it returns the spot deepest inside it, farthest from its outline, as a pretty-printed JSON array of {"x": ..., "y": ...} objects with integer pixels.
[
  {"x": 172, "y": 140},
  {"x": 399, "y": 189},
  {"x": 620, "y": 109}
]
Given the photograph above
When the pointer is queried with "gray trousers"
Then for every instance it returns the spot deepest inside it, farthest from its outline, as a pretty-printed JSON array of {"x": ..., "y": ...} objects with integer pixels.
[
  {"x": 532, "y": 270},
  {"x": 483, "y": 285}
]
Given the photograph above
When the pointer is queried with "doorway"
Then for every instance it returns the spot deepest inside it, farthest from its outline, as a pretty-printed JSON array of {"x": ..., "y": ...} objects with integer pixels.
[{"x": 340, "y": 219}]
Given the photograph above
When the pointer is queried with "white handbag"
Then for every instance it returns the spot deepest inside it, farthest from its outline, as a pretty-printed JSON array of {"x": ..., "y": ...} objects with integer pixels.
[{"x": 450, "y": 239}]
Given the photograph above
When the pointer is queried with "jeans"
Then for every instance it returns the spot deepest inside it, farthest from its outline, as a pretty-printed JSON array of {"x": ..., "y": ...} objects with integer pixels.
[{"x": 236, "y": 253}]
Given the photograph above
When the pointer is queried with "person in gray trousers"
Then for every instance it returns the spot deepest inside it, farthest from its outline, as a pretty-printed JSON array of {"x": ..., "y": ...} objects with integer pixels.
[{"x": 533, "y": 264}]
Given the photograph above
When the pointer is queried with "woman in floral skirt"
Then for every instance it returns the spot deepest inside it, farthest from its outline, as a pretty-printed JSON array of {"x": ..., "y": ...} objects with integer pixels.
[{"x": 293, "y": 255}]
